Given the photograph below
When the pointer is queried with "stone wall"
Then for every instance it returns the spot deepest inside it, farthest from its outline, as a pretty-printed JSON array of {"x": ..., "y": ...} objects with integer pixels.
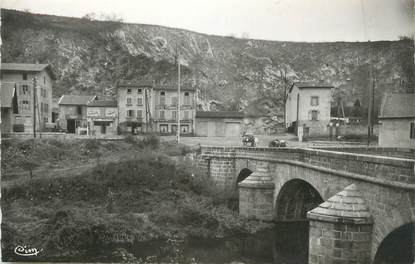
[{"x": 339, "y": 243}]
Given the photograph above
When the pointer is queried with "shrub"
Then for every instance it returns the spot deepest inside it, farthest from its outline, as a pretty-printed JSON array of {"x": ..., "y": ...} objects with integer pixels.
[{"x": 152, "y": 140}]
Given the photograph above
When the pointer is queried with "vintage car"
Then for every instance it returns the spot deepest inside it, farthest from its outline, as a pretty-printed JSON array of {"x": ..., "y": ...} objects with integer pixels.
[
  {"x": 277, "y": 143},
  {"x": 248, "y": 139}
]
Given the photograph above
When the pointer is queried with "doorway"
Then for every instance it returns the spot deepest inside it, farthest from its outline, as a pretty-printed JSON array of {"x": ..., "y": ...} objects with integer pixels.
[{"x": 70, "y": 125}]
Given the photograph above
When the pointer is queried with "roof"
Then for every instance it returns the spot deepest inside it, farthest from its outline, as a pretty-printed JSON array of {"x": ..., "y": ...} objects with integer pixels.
[
  {"x": 311, "y": 85},
  {"x": 220, "y": 114},
  {"x": 102, "y": 103},
  {"x": 174, "y": 88},
  {"x": 347, "y": 205},
  {"x": 28, "y": 67},
  {"x": 6, "y": 94},
  {"x": 76, "y": 99},
  {"x": 398, "y": 106},
  {"x": 156, "y": 87},
  {"x": 137, "y": 84}
]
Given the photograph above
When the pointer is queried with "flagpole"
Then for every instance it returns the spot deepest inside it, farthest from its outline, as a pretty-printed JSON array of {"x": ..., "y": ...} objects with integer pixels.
[
  {"x": 178, "y": 96},
  {"x": 34, "y": 107}
]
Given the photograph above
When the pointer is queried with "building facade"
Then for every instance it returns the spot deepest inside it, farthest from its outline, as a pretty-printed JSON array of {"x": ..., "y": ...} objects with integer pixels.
[
  {"x": 219, "y": 124},
  {"x": 397, "y": 118},
  {"x": 146, "y": 107},
  {"x": 134, "y": 107},
  {"x": 308, "y": 106},
  {"x": 30, "y": 86},
  {"x": 73, "y": 112},
  {"x": 165, "y": 111},
  {"x": 102, "y": 117}
]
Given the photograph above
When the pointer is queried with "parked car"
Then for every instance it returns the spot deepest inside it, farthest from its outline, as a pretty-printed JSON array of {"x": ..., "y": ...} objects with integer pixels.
[
  {"x": 277, "y": 143},
  {"x": 248, "y": 139}
]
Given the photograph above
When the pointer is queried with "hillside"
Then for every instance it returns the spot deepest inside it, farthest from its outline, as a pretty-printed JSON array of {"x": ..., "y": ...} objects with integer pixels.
[{"x": 92, "y": 56}]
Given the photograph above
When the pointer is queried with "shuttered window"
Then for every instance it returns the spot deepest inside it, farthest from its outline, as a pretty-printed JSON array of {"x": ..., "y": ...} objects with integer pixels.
[{"x": 412, "y": 132}]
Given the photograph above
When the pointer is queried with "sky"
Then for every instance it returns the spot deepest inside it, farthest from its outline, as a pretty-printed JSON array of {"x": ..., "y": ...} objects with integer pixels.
[{"x": 286, "y": 20}]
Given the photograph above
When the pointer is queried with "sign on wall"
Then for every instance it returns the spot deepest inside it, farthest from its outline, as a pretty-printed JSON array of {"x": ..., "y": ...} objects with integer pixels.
[
  {"x": 93, "y": 112},
  {"x": 110, "y": 112}
]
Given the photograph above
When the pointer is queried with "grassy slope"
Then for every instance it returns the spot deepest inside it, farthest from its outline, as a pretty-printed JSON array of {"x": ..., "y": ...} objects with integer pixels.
[{"x": 153, "y": 197}]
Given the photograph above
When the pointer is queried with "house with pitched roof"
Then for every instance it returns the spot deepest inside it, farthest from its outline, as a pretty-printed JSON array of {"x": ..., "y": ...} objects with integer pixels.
[
  {"x": 397, "y": 118},
  {"x": 33, "y": 104},
  {"x": 72, "y": 116},
  {"x": 308, "y": 106},
  {"x": 102, "y": 117}
]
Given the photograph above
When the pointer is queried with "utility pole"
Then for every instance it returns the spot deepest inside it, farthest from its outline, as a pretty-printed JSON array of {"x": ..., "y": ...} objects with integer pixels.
[
  {"x": 34, "y": 107},
  {"x": 285, "y": 98},
  {"x": 369, "y": 110},
  {"x": 178, "y": 95}
]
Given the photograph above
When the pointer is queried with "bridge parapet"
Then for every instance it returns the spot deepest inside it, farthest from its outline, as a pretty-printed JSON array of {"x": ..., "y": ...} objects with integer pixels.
[
  {"x": 386, "y": 168},
  {"x": 379, "y": 168}
]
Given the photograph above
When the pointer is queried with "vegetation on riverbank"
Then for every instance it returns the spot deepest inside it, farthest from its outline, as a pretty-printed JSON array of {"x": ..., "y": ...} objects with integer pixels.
[{"x": 116, "y": 206}]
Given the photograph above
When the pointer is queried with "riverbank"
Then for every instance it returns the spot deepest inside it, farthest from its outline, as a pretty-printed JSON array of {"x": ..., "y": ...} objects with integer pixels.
[{"x": 118, "y": 211}]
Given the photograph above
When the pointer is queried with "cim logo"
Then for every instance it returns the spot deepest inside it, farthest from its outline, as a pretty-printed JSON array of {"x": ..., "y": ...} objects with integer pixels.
[{"x": 26, "y": 251}]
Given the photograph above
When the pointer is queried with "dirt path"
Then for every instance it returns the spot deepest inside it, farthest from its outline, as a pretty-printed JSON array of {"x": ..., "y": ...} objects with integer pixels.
[{"x": 9, "y": 179}]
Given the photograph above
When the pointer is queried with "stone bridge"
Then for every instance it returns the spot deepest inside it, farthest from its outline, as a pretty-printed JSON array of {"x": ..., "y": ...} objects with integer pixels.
[{"x": 357, "y": 204}]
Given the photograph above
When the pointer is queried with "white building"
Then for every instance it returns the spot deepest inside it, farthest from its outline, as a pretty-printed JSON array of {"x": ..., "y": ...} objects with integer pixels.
[{"x": 308, "y": 105}]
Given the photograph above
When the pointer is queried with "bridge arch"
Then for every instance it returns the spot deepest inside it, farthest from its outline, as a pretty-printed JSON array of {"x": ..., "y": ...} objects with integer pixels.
[
  {"x": 397, "y": 246},
  {"x": 295, "y": 198}
]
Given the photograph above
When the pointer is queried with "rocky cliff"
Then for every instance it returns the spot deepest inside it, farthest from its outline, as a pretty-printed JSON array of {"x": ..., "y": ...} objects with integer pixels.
[{"x": 92, "y": 56}]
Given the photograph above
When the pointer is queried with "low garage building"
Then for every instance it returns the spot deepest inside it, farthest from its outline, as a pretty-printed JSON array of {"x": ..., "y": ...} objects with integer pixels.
[
  {"x": 397, "y": 118},
  {"x": 219, "y": 124}
]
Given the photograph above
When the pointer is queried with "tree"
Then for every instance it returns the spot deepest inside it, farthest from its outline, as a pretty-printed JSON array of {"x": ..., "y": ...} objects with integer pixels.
[
  {"x": 357, "y": 111},
  {"x": 28, "y": 160},
  {"x": 90, "y": 16}
]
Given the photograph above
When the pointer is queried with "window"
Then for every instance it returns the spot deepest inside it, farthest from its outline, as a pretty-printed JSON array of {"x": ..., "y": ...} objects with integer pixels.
[
  {"x": 174, "y": 115},
  {"x": 184, "y": 129},
  {"x": 129, "y": 101},
  {"x": 25, "y": 76},
  {"x": 314, "y": 100},
  {"x": 139, "y": 113},
  {"x": 139, "y": 90},
  {"x": 79, "y": 110},
  {"x": 164, "y": 128},
  {"x": 186, "y": 115},
  {"x": 161, "y": 114},
  {"x": 412, "y": 132},
  {"x": 139, "y": 101},
  {"x": 44, "y": 80},
  {"x": 41, "y": 108},
  {"x": 25, "y": 105},
  {"x": 130, "y": 113},
  {"x": 313, "y": 115},
  {"x": 186, "y": 98},
  {"x": 129, "y": 90},
  {"x": 162, "y": 98},
  {"x": 46, "y": 107},
  {"x": 25, "y": 89},
  {"x": 174, "y": 128}
]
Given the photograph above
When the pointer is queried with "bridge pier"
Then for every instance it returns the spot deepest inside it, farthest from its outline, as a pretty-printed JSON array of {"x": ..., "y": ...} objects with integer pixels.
[
  {"x": 341, "y": 229},
  {"x": 256, "y": 194}
]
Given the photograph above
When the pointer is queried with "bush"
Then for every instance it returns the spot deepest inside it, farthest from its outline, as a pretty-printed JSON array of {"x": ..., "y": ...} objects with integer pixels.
[{"x": 152, "y": 140}]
